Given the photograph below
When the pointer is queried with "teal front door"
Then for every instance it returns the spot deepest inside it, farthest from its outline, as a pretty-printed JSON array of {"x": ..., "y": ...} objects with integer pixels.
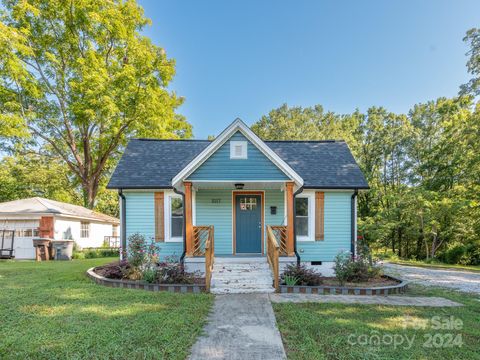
[{"x": 248, "y": 224}]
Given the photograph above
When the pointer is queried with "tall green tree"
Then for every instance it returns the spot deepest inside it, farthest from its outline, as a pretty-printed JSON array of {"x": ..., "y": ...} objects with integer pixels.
[{"x": 82, "y": 80}]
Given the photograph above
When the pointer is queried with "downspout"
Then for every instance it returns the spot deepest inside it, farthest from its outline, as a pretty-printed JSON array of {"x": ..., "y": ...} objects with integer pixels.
[
  {"x": 123, "y": 230},
  {"x": 353, "y": 222},
  {"x": 182, "y": 258},
  {"x": 294, "y": 226}
]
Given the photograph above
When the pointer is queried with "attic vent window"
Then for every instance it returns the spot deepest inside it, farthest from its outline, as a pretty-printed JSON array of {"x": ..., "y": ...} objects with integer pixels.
[{"x": 238, "y": 150}]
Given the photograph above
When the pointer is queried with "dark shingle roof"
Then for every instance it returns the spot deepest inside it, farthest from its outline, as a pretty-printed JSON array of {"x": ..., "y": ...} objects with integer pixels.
[{"x": 149, "y": 163}]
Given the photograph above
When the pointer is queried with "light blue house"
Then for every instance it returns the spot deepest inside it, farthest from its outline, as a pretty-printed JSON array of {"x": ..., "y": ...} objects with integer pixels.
[{"x": 304, "y": 191}]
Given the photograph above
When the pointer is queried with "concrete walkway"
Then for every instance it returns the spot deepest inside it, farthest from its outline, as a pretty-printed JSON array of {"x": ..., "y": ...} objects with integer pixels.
[
  {"x": 363, "y": 299},
  {"x": 241, "y": 326}
]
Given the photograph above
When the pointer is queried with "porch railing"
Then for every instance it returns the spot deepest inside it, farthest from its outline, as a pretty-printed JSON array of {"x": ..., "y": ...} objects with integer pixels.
[
  {"x": 273, "y": 252},
  {"x": 280, "y": 233},
  {"x": 200, "y": 237},
  {"x": 209, "y": 257}
]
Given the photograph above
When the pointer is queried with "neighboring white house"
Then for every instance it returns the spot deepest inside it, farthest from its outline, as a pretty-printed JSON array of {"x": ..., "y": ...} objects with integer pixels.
[{"x": 38, "y": 217}]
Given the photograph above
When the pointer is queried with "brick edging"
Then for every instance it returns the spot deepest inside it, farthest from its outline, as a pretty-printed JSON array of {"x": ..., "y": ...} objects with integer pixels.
[
  {"x": 342, "y": 290},
  {"x": 131, "y": 284}
]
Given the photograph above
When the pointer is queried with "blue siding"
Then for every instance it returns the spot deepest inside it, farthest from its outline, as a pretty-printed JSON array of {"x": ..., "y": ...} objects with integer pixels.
[
  {"x": 219, "y": 166},
  {"x": 220, "y": 214},
  {"x": 217, "y": 214},
  {"x": 337, "y": 230},
  {"x": 140, "y": 216}
]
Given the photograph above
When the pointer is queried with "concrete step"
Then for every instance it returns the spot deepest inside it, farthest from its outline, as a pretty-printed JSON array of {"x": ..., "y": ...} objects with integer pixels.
[
  {"x": 230, "y": 290},
  {"x": 241, "y": 275}
]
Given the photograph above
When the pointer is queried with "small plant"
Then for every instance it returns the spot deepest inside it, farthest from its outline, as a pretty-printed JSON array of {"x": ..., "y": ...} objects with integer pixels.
[
  {"x": 150, "y": 275},
  {"x": 290, "y": 280},
  {"x": 116, "y": 270},
  {"x": 302, "y": 275}
]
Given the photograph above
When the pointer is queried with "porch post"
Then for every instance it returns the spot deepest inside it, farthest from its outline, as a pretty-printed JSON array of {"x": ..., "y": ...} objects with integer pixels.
[
  {"x": 188, "y": 219},
  {"x": 290, "y": 218}
]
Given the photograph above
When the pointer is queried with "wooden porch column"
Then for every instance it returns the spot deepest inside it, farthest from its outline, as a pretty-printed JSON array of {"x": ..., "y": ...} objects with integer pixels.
[
  {"x": 188, "y": 219},
  {"x": 290, "y": 218}
]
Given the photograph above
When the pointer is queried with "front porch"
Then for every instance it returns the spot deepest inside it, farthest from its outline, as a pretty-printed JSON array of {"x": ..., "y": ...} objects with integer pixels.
[{"x": 239, "y": 237}]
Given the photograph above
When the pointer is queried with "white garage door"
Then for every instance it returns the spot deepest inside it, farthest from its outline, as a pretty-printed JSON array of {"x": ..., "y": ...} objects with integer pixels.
[{"x": 25, "y": 231}]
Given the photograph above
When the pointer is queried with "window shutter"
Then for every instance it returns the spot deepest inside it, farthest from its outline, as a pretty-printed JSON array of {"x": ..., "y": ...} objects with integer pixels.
[
  {"x": 159, "y": 217},
  {"x": 319, "y": 215}
]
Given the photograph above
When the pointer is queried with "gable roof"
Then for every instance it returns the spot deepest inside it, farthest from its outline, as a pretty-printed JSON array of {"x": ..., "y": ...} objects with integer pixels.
[
  {"x": 236, "y": 126},
  {"x": 38, "y": 205},
  {"x": 152, "y": 164}
]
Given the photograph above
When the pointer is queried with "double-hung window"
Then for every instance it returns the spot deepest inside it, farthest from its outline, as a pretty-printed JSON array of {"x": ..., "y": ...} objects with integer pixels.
[
  {"x": 175, "y": 217},
  {"x": 302, "y": 218},
  {"x": 84, "y": 230}
]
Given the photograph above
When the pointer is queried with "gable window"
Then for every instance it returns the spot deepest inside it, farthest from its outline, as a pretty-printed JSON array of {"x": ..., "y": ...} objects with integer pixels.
[
  {"x": 238, "y": 150},
  {"x": 84, "y": 230},
  {"x": 176, "y": 217}
]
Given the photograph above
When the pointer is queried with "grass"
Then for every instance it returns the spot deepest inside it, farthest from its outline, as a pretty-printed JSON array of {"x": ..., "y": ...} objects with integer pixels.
[
  {"x": 436, "y": 265},
  {"x": 51, "y": 310},
  {"x": 334, "y": 331}
]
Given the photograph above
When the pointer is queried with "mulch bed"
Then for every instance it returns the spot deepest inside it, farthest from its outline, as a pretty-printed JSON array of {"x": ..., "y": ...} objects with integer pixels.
[{"x": 375, "y": 282}]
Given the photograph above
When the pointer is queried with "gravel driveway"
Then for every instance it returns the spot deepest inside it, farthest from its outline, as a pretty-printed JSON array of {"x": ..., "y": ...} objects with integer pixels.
[{"x": 455, "y": 279}]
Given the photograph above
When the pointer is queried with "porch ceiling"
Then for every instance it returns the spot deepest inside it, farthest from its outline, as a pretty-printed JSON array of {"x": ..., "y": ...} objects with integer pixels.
[{"x": 248, "y": 185}]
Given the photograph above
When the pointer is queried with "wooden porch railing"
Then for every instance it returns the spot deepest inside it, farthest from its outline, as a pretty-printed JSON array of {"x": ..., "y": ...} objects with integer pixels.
[
  {"x": 209, "y": 257},
  {"x": 273, "y": 252},
  {"x": 200, "y": 237},
  {"x": 280, "y": 233}
]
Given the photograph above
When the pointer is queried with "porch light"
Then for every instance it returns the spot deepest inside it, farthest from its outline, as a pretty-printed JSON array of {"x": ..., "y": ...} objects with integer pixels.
[{"x": 239, "y": 186}]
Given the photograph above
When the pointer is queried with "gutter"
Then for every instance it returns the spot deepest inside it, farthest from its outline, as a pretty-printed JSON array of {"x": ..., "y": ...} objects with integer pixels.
[
  {"x": 182, "y": 257},
  {"x": 123, "y": 218},
  {"x": 353, "y": 222},
  {"x": 294, "y": 226}
]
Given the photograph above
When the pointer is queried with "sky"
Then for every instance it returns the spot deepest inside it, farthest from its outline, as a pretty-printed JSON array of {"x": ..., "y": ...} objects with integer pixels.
[{"x": 245, "y": 58}]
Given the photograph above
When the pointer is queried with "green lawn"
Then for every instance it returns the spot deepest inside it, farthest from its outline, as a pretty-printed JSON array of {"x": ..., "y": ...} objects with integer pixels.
[
  {"x": 436, "y": 265},
  {"x": 336, "y": 331},
  {"x": 52, "y": 310}
]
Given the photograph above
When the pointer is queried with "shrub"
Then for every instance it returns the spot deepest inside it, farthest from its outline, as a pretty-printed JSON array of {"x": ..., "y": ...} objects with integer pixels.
[
  {"x": 173, "y": 272},
  {"x": 455, "y": 254},
  {"x": 302, "y": 274},
  {"x": 136, "y": 249},
  {"x": 99, "y": 253},
  {"x": 357, "y": 269},
  {"x": 78, "y": 255},
  {"x": 116, "y": 270}
]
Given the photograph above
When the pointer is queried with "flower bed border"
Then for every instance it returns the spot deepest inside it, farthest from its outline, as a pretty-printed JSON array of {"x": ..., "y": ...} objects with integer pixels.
[
  {"x": 400, "y": 288},
  {"x": 132, "y": 284}
]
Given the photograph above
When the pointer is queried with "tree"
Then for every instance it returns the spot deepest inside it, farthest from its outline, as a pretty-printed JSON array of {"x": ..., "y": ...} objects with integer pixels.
[
  {"x": 472, "y": 38},
  {"x": 80, "y": 77}
]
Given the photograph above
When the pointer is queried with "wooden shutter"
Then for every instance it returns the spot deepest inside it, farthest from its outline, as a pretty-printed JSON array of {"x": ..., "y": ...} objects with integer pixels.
[
  {"x": 159, "y": 217},
  {"x": 319, "y": 215}
]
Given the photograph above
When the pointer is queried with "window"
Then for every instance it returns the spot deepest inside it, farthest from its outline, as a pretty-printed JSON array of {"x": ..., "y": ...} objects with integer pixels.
[
  {"x": 176, "y": 217},
  {"x": 238, "y": 150},
  {"x": 84, "y": 230},
  {"x": 248, "y": 203},
  {"x": 301, "y": 217}
]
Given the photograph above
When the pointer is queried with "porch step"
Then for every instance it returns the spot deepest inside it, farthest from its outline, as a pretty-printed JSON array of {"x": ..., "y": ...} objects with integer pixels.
[{"x": 241, "y": 275}]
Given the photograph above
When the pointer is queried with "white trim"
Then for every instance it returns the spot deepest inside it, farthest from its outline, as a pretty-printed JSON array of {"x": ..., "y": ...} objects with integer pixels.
[
  {"x": 237, "y": 125},
  {"x": 167, "y": 210},
  {"x": 238, "y": 181},
  {"x": 311, "y": 215},
  {"x": 244, "y": 149}
]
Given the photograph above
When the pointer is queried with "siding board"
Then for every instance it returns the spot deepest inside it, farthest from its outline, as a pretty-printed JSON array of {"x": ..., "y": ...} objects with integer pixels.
[{"x": 219, "y": 166}]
